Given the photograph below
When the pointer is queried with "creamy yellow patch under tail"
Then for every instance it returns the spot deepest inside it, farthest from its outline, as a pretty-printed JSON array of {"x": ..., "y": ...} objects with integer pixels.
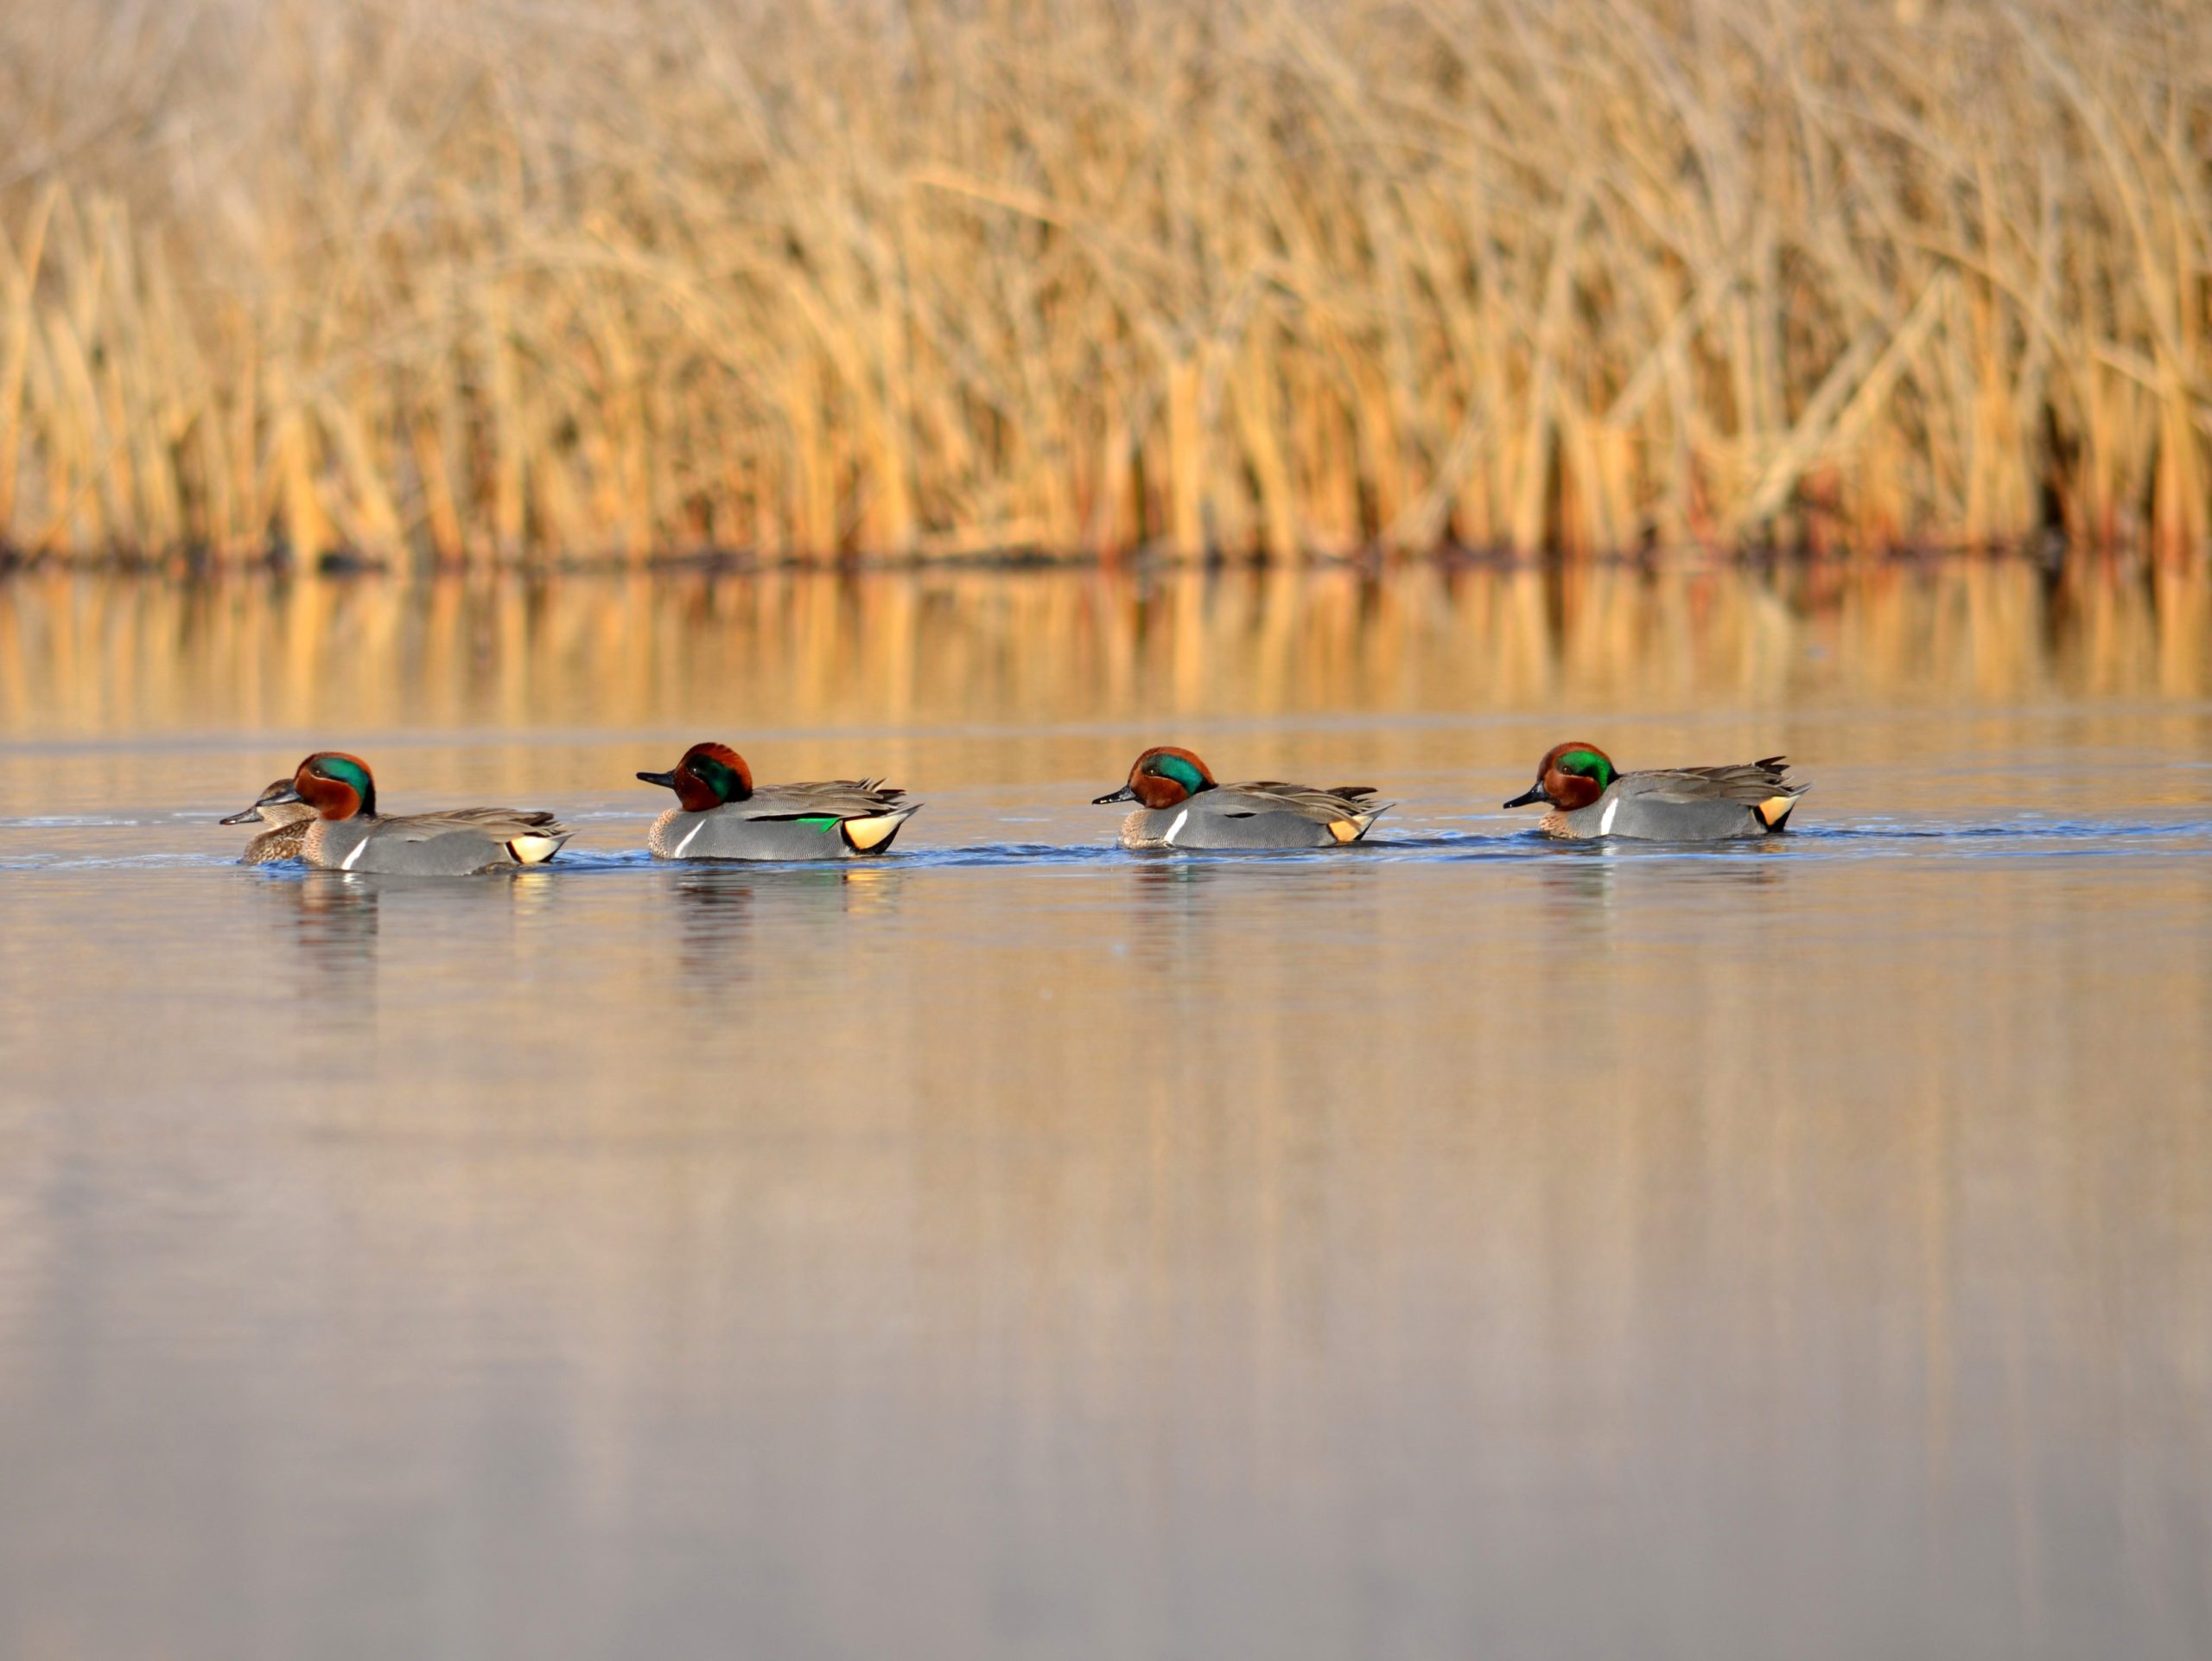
[
  {"x": 534, "y": 850},
  {"x": 866, "y": 835}
]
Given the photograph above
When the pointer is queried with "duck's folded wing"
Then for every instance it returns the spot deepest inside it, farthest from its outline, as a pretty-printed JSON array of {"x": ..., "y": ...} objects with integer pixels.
[
  {"x": 499, "y": 824},
  {"x": 1748, "y": 782},
  {"x": 1307, "y": 801},
  {"x": 841, "y": 798}
]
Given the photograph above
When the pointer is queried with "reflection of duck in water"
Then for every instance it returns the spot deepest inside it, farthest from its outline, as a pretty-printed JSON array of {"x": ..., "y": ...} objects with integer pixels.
[
  {"x": 279, "y": 807},
  {"x": 725, "y": 912},
  {"x": 721, "y": 814},
  {"x": 323, "y": 934},
  {"x": 348, "y": 834},
  {"x": 714, "y": 909},
  {"x": 1182, "y": 806},
  {"x": 1589, "y": 797},
  {"x": 335, "y": 915}
]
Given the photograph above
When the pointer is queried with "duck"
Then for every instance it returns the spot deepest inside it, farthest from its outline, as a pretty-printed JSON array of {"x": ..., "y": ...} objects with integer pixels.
[
  {"x": 288, "y": 815},
  {"x": 721, "y": 814},
  {"x": 348, "y": 834},
  {"x": 1182, "y": 805},
  {"x": 1590, "y": 797}
]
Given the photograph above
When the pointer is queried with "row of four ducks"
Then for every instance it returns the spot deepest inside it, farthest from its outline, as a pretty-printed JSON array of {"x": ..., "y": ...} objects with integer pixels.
[{"x": 326, "y": 812}]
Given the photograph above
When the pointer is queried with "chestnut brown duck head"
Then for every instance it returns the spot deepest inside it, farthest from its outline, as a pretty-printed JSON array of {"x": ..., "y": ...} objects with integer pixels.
[
  {"x": 336, "y": 784},
  {"x": 1571, "y": 775},
  {"x": 708, "y": 776},
  {"x": 1162, "y": 778}
]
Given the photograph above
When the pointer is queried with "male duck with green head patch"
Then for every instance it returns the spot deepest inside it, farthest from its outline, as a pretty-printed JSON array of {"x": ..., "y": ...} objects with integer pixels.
[
  {"x": 1589, "y": 798},
  {"x": 719, "y": 813},
  {"x": 348, "y": 834},
  {"x": 1182, "y": 806}
]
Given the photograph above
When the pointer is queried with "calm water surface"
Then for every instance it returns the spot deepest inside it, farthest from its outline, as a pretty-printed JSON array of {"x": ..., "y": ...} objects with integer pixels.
[{"x": 1456, "y": 1247}]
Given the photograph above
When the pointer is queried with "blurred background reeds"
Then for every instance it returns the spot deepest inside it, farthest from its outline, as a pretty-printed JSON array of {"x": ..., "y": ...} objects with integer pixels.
[{"x": 613, "y": 279}]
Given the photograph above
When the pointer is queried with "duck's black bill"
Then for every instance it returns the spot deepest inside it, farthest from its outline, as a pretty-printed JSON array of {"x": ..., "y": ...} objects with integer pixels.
[
  {"x": 1126, "y": 793},
  {"x": 246, "y": 817},
  {"x": 1535, "y": 793},
  {"x": 665, "y": 780}
]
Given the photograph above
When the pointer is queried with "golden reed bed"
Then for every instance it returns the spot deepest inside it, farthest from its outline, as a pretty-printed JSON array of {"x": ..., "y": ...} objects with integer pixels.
[{"x": 626, "y": 277}]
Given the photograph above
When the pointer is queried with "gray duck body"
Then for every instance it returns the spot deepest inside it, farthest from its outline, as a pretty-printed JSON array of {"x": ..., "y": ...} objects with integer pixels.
[
  {"x": 1262, "y": 814},
  {"x": 1750, "y": 799},
  {"x": 460, "y": 842},
  {"x": 835, "y": 818}
]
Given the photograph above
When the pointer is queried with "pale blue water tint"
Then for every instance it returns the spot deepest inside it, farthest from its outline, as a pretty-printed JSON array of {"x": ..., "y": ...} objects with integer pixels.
[{"x": 1457, "y": 1246}]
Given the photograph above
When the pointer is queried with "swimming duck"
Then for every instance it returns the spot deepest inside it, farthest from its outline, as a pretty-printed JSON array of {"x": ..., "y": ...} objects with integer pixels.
[
  {"x": 1184, "y": 807},
  {"x": 348, "y": 834},
  {"x": 720, "y": 814},
  {"x": 277, "y": 807},
  {"x": 1589, "y": 797}
]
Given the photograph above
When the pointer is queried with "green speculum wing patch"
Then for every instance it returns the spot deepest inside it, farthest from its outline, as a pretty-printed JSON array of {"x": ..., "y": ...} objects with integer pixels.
[
  {"x": 1588, "y": 764},
  {"x": 823, "y": 822}
]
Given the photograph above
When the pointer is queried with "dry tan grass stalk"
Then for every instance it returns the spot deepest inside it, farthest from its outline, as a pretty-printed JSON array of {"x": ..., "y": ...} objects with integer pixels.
[{"x": 470, "y": 285}]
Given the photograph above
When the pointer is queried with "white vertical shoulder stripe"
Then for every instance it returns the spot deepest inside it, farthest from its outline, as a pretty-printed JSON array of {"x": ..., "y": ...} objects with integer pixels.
[
  {"x": 1180, "y": 819},
  {"x": 1606, "y": 823},
  {"x": 688, "y": 835}
]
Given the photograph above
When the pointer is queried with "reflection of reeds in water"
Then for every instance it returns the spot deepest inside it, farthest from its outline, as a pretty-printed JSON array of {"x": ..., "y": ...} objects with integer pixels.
[
  {"x": 482, "y": 284},
  {"x": 84, "y": 653}
]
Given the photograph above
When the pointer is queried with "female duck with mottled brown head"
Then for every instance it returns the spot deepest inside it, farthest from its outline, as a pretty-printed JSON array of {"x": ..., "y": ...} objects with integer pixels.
[
  {"x": 348, "y": 834},
  {"x": 1182, "y": 805},
  {"x": 722, "y": 814},
  {"x": 1589, "y": 797},
  {"x": 288, "y": 817}
]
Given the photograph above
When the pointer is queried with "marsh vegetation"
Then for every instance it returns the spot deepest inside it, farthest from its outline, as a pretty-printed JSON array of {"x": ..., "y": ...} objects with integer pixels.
[{"x": 852, "y": 277}]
